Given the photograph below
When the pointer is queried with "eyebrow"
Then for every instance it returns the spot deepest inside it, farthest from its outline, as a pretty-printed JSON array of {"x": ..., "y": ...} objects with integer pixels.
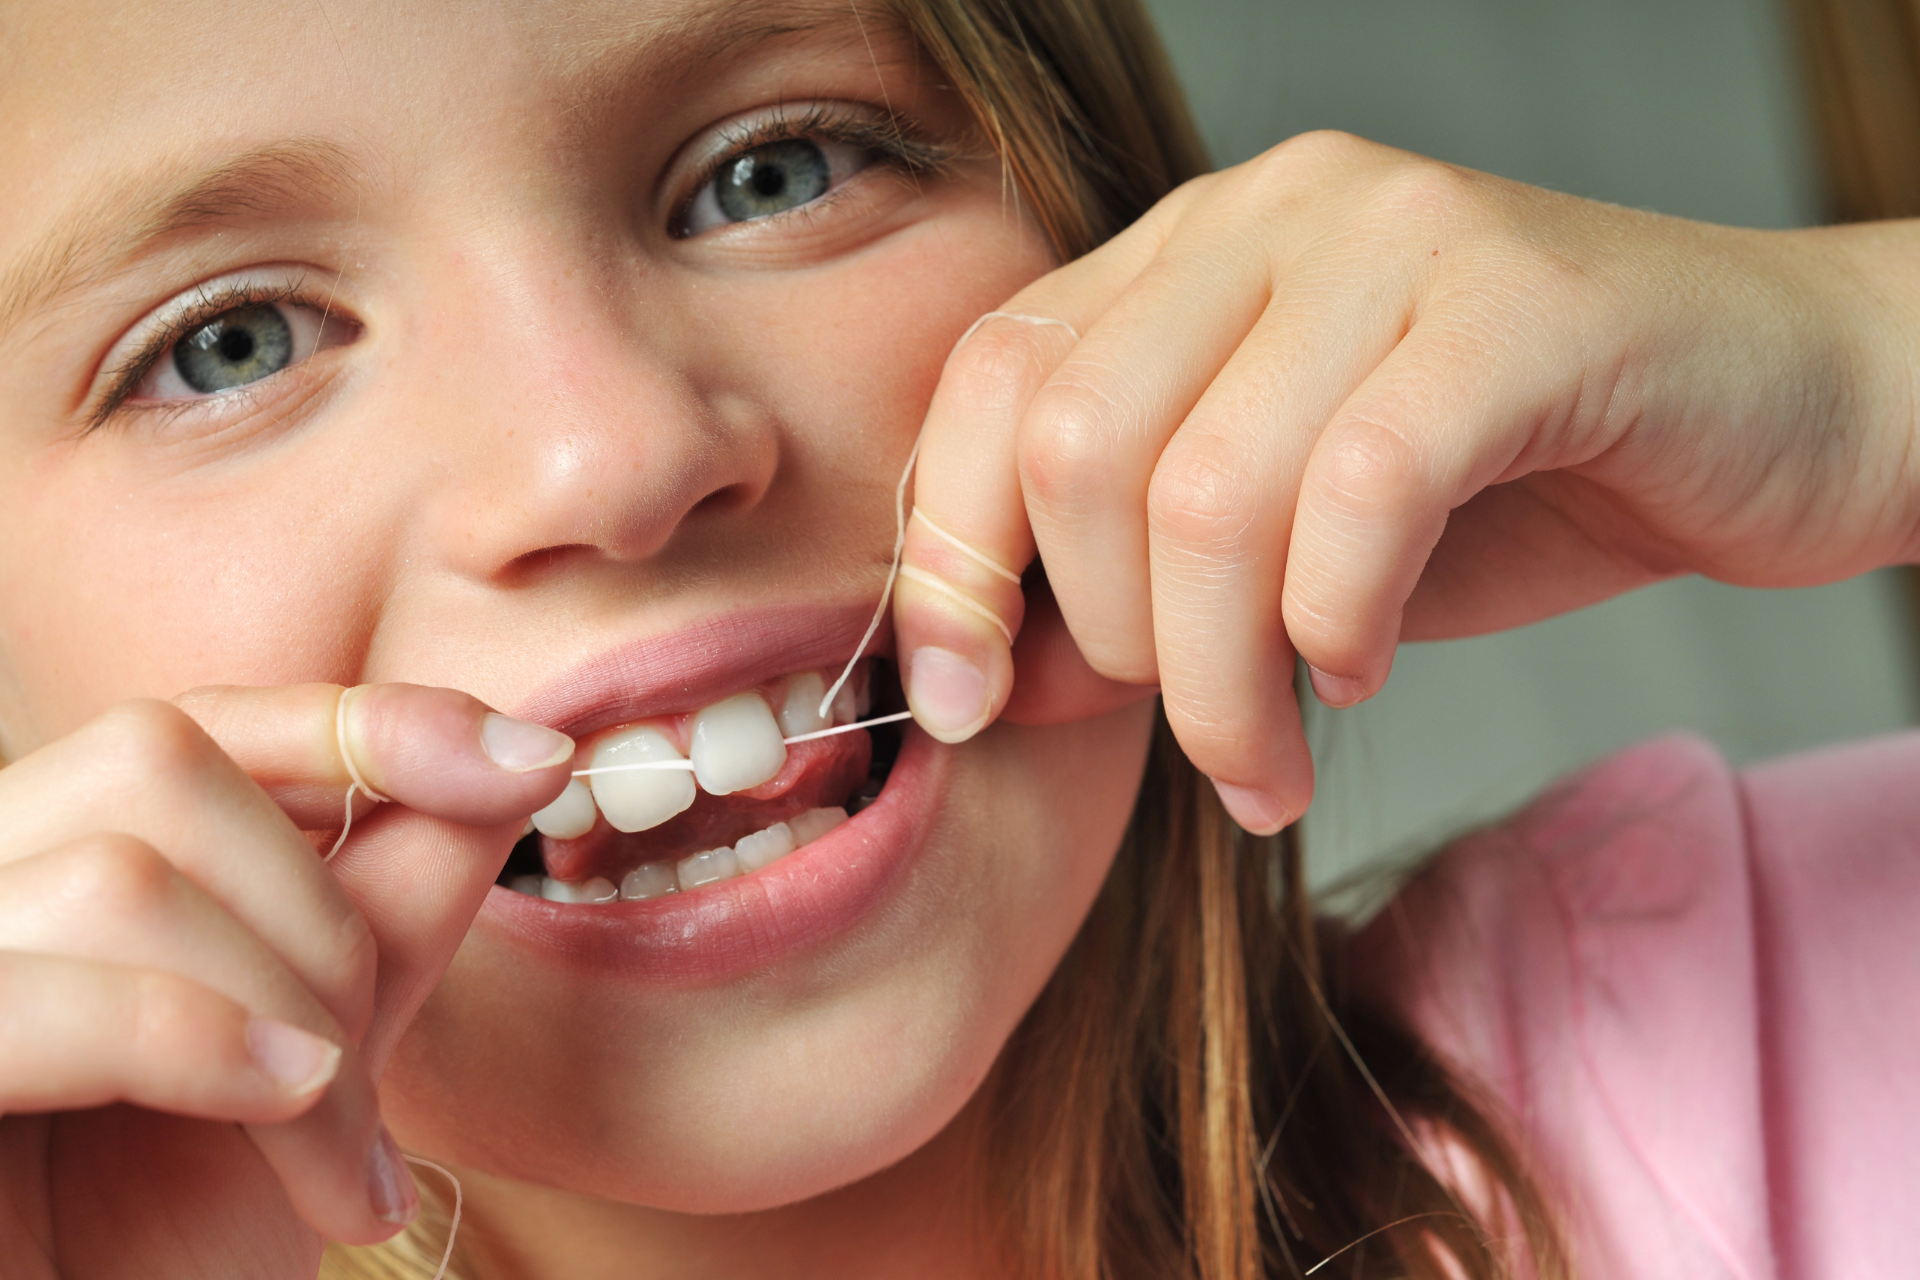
[
  {"x": 121, "y": 221},
  {"x": 116, "y": 224}
]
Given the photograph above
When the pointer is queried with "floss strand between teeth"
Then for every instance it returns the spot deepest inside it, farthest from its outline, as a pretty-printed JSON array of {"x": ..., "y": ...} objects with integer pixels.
[{"x": 687, "y": 765}]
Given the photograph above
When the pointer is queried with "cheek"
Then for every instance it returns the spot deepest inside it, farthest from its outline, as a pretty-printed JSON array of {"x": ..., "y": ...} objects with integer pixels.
[
  {"x": 789, "y": 1084},
  {"x": 112, "y": 588},
  {"x": 847, "y": 358}
]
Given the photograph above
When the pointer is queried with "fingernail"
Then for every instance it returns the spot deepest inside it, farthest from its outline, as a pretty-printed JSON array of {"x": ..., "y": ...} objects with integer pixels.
[
  {"x": 1337, "y": 692},
  {"x": 948, "y": 694},
  {"x": 299, "y": 1060},
  {"x": 1256, "y": 811},
  {"x": 390, "y": 1188},
  {"x": 520, "y": 747}
]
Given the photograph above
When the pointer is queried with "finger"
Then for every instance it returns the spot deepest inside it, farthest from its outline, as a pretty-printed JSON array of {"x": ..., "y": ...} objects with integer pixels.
[
  {"x": 1093, "y": 435},
  {"x": 1450, "y": 410},
  {"x": 117, "y": 904},
  {"x": 147, "y": 770},
  {"x": 1052, "y": 682},
  {"x": 83, "y": 1034},
  {"x": 1220, "y": 507},
  {"x": 436, "y": 751},
  {"x": 958, "y": 604},
  {"x": 419, "y": 883}
]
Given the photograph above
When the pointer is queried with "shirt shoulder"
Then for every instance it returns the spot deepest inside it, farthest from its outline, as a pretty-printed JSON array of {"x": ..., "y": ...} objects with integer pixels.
[{"x": 1674, "y": 979}]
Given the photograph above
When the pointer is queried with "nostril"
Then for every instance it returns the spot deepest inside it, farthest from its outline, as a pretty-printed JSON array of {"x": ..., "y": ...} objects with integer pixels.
[
  {"x": 731, "y": 498},
  {"x": 544, "y": 563}
]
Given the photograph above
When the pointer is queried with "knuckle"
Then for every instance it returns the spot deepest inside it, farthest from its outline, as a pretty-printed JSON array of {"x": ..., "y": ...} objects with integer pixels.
[
  {"x": 168, "y": 1017},
  {"x": 1420, "y": 192},
  {"x": 1367, "y": 465},
  {"x": 1201, "y": 498},
  {"x": 994, "y": 367},
  {"x": 116, "y": 876},
  {"x": 1067, "y": 446},
  {"x": 1315, "y": 149},
  {"x": 153, "y": 740}
]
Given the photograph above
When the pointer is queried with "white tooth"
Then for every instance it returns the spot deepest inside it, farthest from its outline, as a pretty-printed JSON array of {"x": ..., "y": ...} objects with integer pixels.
[
  {"x": 529, "y": 885},
  {"x": 846, "y": 703},
  {"x": 639, "y": 798},
  {"x": 760, "y": 848},
  {"x": 527, "y": 830},
  {"x": 571, "y": 816},
  {"x": 650, "y": 881},
  {"x": 736, "y": 745},
  {"x": 800, "y": 707},
  {"x": 598, "y": 889},
  {"x": 814, "y": 823},
  {"x": 863, "y": 691},
  {"x": 705, "y": 868}
]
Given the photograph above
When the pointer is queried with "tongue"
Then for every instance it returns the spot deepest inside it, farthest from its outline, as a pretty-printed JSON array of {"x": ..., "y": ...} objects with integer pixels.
[{"x": 823, "y": 772}]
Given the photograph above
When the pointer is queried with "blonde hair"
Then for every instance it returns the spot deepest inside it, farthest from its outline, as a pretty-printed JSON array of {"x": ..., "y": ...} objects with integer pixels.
[{"x": 1189, "y": 1098}]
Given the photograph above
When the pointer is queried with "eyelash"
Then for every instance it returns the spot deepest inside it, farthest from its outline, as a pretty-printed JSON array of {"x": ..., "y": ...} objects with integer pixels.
[
  {"x": 126, "y": 378},
  {"x": 886, "y": 138}
]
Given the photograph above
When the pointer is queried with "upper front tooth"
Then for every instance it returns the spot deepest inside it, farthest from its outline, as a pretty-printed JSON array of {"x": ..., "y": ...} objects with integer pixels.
[
  {"x": 571, "y": 815},
  {"x": 639, "y": 798},
  {"x": 800, "y": 708},
  {"x": 736, "y": 745}
]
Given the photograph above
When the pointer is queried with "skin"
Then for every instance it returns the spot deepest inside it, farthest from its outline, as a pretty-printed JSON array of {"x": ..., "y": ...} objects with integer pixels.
[{"x": 558, "y": 428}]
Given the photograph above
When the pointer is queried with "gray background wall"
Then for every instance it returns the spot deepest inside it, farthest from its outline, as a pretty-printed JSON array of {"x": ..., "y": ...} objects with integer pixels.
[{"x": 1688, "y": 107}]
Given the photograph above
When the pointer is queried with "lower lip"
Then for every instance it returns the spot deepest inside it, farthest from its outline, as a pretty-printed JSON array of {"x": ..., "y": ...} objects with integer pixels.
[{"x": 804, "y": 902}]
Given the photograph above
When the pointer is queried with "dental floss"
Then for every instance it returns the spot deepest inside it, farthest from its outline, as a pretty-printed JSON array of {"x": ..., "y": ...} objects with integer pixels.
[
  {"x": 358, "y": 783},
  {"x": 900, "y": 507},
  {"x": 991, "y": 565},
  {"x": 798, "y": 737},
  {"x": 959, "y": 597},
  {"x": 453, "y": 1227},
  {"x": 848, "y": 728}
]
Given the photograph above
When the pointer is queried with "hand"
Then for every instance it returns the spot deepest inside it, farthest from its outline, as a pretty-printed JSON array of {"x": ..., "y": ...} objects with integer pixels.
[
  {"x": 170, "y": 942},
  {"x": 1341, "y": 396}
]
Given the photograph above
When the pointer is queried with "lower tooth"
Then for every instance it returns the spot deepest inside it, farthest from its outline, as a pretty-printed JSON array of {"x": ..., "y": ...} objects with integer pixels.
[
  {"x": 598, "y": 889},
  {"x": 705, "y": 868},
  {"x": 814, "y": 823},
  {"x": 529, "y": 885},
  {"x": 570, "y": 816},
  {"x": 760, "y": 848},
  {"x": 654, "y": 880}
]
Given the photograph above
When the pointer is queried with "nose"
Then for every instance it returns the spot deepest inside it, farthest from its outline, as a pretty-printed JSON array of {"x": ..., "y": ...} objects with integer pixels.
[{"x": 582, "y": 430}]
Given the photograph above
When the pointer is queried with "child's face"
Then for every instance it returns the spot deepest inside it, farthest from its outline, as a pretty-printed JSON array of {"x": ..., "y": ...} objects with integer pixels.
[{"x": 496, "y": 422}]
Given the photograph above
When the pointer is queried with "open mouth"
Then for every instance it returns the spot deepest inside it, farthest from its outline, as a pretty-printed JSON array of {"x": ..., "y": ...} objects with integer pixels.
[{"x": 721, "y": 792}]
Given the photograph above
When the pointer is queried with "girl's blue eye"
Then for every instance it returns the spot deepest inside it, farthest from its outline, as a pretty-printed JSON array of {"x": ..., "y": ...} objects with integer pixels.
[
  {"x": 772, "y": 178},
  {"x": 231, "y": 350},
  {"x": 245, "y": 343}
]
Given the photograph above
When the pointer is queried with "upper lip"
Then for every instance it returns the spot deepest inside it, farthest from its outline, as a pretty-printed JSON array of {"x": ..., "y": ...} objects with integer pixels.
[{"x": 684, "y": 670}]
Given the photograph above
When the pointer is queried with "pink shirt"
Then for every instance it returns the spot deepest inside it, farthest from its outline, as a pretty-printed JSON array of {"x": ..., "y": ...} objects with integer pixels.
[{"x": 1698, "y": 994}]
